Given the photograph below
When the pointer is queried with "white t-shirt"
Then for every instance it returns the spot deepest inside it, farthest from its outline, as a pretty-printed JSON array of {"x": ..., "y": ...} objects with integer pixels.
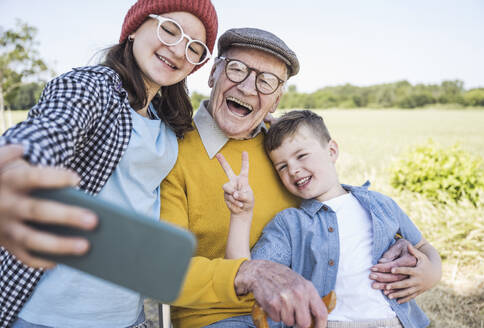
[{"x": 356, "y": 299}]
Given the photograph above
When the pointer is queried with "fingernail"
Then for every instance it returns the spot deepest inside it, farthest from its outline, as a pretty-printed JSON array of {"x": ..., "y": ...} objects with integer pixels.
[
  {"x": 390, "y": 297},
  {"x": 373, "y": 269},
  {"x": 88, "y": 219},
  {"x": 393, "y": 270},
  {"x": 388, "y": 287},
  {"x": 373, "y": 276},
  {"x": 81, "y": 246}
]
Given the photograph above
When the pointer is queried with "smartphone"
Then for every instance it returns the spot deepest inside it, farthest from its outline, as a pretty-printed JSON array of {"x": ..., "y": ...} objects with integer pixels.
[{"x": 127, "y": 248}]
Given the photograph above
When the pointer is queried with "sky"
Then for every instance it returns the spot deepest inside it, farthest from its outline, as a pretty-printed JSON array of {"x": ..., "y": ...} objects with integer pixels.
[{"x": 337, "y": 42}]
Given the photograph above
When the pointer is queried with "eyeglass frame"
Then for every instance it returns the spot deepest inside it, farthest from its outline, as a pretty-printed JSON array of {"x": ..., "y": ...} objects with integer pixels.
[
  {"x": 250, "y": 69},
  {"x": 161, "y": 20}
]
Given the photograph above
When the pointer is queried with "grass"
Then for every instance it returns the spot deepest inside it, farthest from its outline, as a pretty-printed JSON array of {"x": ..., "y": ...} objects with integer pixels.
[{"x": 370, "y": 140}]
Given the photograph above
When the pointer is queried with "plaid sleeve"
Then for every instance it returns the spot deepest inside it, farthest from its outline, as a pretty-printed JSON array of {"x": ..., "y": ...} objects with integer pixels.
[
  {"x": 17, "y": 282},
  {"x": 76, "y": 112},
  {"x": 63, "y": 118}
]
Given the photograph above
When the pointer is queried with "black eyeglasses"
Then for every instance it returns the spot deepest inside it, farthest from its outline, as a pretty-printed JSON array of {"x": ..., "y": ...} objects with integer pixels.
[{"x": 237, "y": 71}]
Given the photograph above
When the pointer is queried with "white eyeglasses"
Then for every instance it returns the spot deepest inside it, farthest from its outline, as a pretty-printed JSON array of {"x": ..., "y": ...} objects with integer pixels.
[{"x": 170, "y": 33}]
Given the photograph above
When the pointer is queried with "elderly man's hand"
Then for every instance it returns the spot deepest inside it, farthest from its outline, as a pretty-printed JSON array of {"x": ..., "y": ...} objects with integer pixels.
[
  {"x": 396, "y": 256},
  {"x": 17, "y": 179},
  {"x": 283, "y": 294}
]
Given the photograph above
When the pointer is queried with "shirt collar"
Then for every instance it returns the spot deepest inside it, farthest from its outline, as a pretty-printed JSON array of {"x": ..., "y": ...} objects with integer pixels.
[
  {"x": 312, "y": 206},
  {"x": 212, "y": 136}
]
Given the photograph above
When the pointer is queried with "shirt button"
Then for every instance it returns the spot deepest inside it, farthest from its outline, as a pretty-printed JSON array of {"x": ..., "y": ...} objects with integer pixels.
[
  {"x": 331, "y": 262},
  {"x": 325, "y": 208},
  {"x": 330, "y": 229}
]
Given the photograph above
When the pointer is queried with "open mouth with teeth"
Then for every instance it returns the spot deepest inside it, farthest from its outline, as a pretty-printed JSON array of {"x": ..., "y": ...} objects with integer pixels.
[
  {"x": 301, "y": 183},
  {"x": 238, "y": 107},
  {"x": 166, "y": 61}
]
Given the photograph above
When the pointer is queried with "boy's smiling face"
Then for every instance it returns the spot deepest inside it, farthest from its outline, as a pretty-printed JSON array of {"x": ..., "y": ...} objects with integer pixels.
[{"x": 306, "y": 165}]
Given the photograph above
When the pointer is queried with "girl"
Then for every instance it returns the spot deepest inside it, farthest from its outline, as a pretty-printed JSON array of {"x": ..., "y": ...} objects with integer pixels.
[{"x": 116, "y": 126}]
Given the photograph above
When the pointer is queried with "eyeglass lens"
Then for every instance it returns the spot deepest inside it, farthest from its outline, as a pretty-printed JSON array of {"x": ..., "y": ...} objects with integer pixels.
[
  {"x": 237, "y": 71},
  {"x": 171, "y": 34}
]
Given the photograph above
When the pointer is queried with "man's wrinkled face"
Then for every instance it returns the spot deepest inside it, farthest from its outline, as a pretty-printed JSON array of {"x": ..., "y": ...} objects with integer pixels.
[{"x": 238, "y": 108}]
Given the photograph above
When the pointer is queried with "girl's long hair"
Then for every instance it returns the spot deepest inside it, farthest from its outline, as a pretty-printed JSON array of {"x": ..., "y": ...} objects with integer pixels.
[{"x": 172, "y": 103}]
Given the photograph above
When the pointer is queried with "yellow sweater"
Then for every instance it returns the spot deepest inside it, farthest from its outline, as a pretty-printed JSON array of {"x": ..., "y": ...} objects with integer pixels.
[{"x": 192, "y": 197}]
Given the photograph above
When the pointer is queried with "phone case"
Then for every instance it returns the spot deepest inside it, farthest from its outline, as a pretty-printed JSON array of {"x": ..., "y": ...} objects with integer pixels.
[{"x": 127, "y": 248}]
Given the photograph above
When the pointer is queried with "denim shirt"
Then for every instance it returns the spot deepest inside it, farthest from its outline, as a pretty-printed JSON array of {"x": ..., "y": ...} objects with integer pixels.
[{"x": 306, "y": 239}]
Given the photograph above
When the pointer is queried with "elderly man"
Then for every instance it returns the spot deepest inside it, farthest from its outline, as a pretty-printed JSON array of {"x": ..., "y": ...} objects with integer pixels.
[{"x": 247, "y": 83}]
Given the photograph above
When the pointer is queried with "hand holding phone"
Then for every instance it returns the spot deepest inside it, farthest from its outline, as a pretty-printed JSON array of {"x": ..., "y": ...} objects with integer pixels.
[
  {"x": 127, "y": 248},
  {"x": 17, "y": 179}
]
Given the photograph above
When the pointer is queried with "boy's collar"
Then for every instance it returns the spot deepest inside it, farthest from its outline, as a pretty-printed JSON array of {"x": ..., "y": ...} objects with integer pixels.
[{"x": 312, "y": 206}]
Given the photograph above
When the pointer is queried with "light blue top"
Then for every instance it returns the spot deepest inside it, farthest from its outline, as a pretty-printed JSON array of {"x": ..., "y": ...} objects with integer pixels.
[
  {"x": 66, "y": 297},
  {"x": 306, "y": 239}
]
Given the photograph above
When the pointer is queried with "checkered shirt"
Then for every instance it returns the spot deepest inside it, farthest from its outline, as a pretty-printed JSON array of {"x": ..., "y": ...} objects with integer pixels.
[{"x": 82, "y": 122}]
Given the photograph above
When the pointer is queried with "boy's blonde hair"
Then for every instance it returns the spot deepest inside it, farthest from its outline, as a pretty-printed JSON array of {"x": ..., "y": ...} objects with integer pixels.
[{"x": 288, "y": 124}]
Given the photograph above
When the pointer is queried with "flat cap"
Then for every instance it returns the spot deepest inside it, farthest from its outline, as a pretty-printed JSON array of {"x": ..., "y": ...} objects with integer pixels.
[{"x": 261, "y": 40}]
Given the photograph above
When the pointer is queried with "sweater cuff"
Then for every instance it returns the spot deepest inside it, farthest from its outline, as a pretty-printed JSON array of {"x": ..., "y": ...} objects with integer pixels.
[{"x": 224, "y": 281}]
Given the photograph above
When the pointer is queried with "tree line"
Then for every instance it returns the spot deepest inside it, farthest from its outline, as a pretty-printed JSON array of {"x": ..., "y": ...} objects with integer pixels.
[
  {"x": 399, "y": 94},
  {"x": 390, "y": 95},
  {"x": 21, "y": 86}
]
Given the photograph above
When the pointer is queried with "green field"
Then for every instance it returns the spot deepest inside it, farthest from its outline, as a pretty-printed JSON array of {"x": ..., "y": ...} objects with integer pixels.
[
  {"x": 370, "y": 140},
  {"x": 375, "y": 137}
]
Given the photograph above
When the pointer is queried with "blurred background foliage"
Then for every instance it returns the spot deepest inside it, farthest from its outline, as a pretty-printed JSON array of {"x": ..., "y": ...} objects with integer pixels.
[
  {"x": 441, "y": 174},
  {"x": 399, "y": 94}
]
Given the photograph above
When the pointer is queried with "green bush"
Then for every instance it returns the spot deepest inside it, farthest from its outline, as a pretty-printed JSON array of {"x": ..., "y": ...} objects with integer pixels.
[
  {"x": 441, "y": 175},
  {"x": 474, "y": 97}
]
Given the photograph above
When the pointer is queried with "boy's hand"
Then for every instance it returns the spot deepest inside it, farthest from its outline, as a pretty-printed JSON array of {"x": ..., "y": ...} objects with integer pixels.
[
  {"x": 421, "y": 278},
  {"x": 237, "y": 192},
  {"x": 396, "y": 256}
]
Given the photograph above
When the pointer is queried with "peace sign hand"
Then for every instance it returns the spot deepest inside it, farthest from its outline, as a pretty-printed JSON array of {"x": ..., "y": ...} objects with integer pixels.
[{"x": 237, "y": 192}]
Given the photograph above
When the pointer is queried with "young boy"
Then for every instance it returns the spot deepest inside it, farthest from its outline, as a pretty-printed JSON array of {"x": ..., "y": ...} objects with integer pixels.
[{"x": 336, "y": 235}]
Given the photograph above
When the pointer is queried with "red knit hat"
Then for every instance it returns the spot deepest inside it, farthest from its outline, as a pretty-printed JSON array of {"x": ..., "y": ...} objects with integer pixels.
[{"x": 203, "y": 9}]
